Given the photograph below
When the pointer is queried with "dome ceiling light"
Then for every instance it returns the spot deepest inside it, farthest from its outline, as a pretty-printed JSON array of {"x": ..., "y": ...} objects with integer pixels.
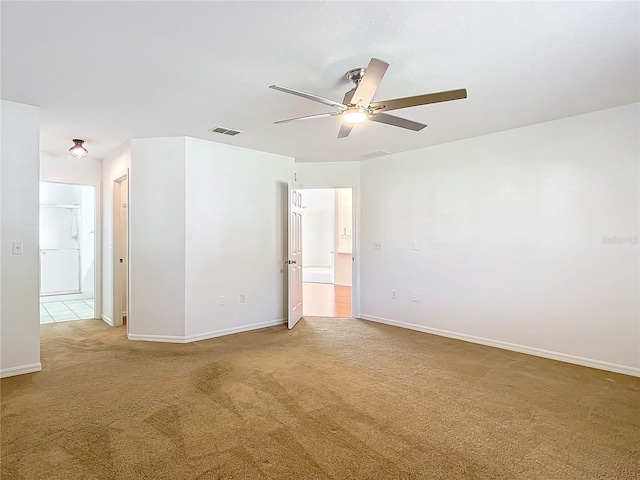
[{"x": 78, "y": 150}]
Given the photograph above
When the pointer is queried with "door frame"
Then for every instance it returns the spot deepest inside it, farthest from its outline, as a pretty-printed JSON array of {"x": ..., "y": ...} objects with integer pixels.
[
  {"x": 355, "y": 249},
  {"x": 97, "y": 240},
  {"x": 116, "y": 232}
]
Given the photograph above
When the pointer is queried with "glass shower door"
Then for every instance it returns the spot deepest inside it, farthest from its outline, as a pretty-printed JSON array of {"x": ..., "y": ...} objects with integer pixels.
[{"x": 60, "y": 249}]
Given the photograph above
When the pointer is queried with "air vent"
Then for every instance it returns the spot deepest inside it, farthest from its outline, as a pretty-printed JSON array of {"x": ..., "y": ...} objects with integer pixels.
[
  {"x": 225, "y": 131},
  {"x": 379, "y": 153}
]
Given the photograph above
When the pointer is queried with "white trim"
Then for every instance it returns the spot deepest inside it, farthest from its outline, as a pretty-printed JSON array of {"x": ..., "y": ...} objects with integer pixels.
[
  {"x": 156, "y": 338},
  {"x": 355, "y": 239},
  {"x": 204, "y": 336},
  {"x": 107, "y": 320},
  {"x": 21, "y": 370},
  {"x": 539, "y": 352}
]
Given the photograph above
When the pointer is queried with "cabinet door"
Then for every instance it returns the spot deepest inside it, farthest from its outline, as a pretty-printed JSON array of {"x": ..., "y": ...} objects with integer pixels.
[{"x": 344, "y": 215}]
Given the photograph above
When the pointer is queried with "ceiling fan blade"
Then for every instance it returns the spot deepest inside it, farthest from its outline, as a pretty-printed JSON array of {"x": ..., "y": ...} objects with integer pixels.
[
  {"x": 369, "y": 83},
  {"x": 405, "y": 102},
  {"x": 345, "y": 130},
  {"x": 397, "y": 121},
  {"x": 309, "y": 96},
  {"x": 307, "y": 117}
]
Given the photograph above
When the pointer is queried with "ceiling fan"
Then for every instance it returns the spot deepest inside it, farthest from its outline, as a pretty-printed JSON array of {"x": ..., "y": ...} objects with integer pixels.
[{"x": 357, "y": 107}]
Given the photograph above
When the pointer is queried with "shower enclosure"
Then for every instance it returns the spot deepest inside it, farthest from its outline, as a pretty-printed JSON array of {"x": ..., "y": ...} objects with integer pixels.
[{"x": 67, "y": 260}]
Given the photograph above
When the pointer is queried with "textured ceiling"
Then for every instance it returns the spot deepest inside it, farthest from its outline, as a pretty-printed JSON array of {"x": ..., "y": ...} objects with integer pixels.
[{"x": 111, "y": 71}]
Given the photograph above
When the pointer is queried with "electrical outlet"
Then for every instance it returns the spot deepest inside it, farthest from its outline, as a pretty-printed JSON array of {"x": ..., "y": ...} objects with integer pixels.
[
  {"x": 221, "y": 300},
  {"x": 242, "y": 298},
  {"x": 377, "y": 245},
  {"x": 394, "y": 294},
  {"x": 416, "y": 296}
]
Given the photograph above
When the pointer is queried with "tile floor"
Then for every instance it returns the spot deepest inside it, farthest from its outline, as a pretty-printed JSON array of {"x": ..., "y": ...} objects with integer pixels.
[{"x": 67, "y": 311}]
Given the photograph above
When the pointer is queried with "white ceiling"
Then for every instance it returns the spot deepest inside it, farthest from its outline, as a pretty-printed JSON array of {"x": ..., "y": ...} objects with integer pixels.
[{"x": 111, "y": 71}]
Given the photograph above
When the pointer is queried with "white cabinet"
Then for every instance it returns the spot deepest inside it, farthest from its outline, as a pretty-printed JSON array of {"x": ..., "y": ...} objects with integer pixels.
[{"x": 344, "y": 220}]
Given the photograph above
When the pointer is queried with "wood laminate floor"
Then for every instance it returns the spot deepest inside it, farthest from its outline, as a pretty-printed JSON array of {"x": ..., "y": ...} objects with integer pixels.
[{"x": 326, "y": 300}]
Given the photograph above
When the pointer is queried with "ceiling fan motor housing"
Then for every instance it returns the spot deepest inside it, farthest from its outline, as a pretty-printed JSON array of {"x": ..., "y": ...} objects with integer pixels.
[{"x": 356, "y": 74}]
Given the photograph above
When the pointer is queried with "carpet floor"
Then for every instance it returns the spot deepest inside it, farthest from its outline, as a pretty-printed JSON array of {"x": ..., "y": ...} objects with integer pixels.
[{"x": 332, "y": 399}]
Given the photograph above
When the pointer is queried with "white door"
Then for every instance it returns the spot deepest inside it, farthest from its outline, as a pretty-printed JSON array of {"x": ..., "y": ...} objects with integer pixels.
[{"x": 294, "y": 259}]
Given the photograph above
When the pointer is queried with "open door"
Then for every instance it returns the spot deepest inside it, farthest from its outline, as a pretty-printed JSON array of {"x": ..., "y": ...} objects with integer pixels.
[{"x": 294, "y": 259}]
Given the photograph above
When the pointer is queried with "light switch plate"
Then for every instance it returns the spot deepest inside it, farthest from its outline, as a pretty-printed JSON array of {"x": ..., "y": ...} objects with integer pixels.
[
  {"x": 16, "y": 248},
  {"x": 415, "y": 244}
]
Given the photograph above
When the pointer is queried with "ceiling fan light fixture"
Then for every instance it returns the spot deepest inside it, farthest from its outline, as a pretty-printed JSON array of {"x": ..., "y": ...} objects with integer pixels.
[
  {"x": 355, "y": 115},
  {"x": 357, "y": 106},
  {"x": 78, "y": 150}
]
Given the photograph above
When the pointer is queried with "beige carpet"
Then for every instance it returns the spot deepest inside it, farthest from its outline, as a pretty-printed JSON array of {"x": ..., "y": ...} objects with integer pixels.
[{"x": 341, "y": 399}]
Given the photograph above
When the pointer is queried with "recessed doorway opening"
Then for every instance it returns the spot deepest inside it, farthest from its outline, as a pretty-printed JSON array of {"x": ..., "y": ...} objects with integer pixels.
[
  {"x": 121, "y": 251},
  {"x": 67, "y": 252},
  {"x": 327, "y": 252}
]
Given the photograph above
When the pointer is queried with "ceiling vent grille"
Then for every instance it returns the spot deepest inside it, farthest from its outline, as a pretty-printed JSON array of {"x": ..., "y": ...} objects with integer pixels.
[
  {"x": 379, "y": 153},
  {"x": 225, "y": 131}
]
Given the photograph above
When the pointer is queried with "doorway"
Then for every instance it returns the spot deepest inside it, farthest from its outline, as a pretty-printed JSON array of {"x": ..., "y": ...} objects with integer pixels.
[
  {"x": 327, "y": 252},
  {"x": 121, "y": 251},
  {"x": 67, "y": 252}
]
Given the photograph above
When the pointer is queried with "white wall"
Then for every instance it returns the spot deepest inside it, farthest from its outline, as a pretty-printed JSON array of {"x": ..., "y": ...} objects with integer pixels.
[
  {"x": 19, "y": 210},
  {"x": 206, "y": 220},
  {"x": 318, "y": 220},
  {"x": 67, "y": 169},
  {"x": 510, "y": 228},
  {"x": 114, "y": 166},
  {"x": 328, "y": 174},
  {"x": 88, "y": 239},
  {"x": 235, "y": 232},
  {"x": 60, "y": 194},
  {"x": 157, "y": 238}
]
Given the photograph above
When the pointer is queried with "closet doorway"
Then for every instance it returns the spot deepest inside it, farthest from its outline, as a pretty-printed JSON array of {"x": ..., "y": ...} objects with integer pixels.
[
  {"x": 121, "y": 251},
  {"x": 67, "y": 252},
  {"x": 327, "y": 252}
]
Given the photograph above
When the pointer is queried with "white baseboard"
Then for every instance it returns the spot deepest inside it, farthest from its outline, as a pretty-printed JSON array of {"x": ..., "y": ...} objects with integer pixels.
[
  {"x": 138, "y": 337},
  {"x": 107, "y": 320},
  {"x": 204, "y": 336},
  {"x": 563, "y": 357},
  {"x": 22, "y": 369}
]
